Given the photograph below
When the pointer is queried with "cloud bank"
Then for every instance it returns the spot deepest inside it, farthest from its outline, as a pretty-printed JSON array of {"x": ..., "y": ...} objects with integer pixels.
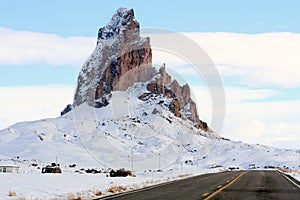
[
  {"x": 27, "y": 103},
  {"x": 251, "y": 119},
  {"x": 256, "y": 59},
  {"x": 24, "y": 47},
  {"x": 269, "y": 59}
]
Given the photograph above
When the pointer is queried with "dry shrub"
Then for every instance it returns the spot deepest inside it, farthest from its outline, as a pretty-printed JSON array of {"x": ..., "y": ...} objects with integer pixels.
[
  {"x": 184, "y": 175},
  {"x": 99, "y": 193},
  {"x": 284, "y": 170},
  {"x": 12, "y": 194},
  {"x": 74, "y": 197},
  {"x": 287, "y": 170},
  {"x": 117, "y": 188}
]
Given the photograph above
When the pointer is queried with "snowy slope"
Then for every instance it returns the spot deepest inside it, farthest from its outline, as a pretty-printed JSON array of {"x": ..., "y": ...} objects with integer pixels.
[{"x": 109, "y": 136}]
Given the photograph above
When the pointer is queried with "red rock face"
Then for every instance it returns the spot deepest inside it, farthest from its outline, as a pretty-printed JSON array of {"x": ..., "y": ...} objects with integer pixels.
[
  {"x": 181, "y": 96},
  {"x": 175, "y": 108},
  {"x": 134, "y": 63},
  {"x": 131, "y": 67},
  {"x": 122, "y": 58}
]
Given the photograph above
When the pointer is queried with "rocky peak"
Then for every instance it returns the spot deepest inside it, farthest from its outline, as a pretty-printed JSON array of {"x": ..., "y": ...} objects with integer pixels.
[
  {"x": 122, "y": 58},
  {"x": 122, "y": 20},
  {"x": 182, "y": 104},
  {"x": 120, "y": 52}
]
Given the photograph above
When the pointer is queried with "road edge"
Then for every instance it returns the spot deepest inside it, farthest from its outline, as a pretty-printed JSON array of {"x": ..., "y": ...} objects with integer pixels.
[
  {"x": 149, "y": 187},
  {"x": 290, "y": 178}
]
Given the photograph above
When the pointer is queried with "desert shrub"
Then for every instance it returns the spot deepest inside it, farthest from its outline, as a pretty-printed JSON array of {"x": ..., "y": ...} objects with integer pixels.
[
  {"x": 12, "y": 194},
  {"x": 72, "y": 165},
  {"x": 74, "y": 197},
  {"x": 184, "y": 175},
  {"x": 117, "y": 188},
  {"x": 99, "y": 193}
]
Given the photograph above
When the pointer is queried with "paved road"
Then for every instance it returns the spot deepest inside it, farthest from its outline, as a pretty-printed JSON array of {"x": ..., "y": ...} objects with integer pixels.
[
  {"x": 260, "y": 185},
  {"x": 226, "y": 185}
]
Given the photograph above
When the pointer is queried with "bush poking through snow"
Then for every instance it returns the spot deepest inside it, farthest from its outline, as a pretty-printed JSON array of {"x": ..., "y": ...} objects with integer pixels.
[
  {"x": 12, "y": 194},
  {"x": 184, "y": 175},
  {"x": 74, "y": 197},
  {"x": 99, "y": 193},
  {"x": 117, "y": 188}
]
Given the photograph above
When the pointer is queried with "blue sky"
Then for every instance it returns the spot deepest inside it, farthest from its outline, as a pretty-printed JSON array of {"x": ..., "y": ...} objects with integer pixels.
[
  {"x": 83, "y": 18},
  {"x": 254, "y": 44}
]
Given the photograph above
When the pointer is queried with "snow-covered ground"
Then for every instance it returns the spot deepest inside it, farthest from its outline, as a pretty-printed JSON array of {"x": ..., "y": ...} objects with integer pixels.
[
  {"x": 127, "y": 133},
  {"x": 30, "y": 184},
  {"x": 295, "y": 174}
]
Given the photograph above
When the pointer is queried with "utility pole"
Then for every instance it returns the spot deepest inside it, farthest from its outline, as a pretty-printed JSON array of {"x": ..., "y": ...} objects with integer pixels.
[
  {"x": 158, "y": 161},
  {"x": 132, "y": 159}
]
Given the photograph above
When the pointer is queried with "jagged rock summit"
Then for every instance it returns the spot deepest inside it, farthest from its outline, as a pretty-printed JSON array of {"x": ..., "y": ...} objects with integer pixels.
[
  {"x": 121, "y": 58},
  {"x": 119, "y": 50}
]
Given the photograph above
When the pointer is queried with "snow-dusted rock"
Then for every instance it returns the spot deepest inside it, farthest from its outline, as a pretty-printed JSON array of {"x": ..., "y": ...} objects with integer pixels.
[
  {"x": 122, "y": 58},
  {"x": 120, "y": 52}
]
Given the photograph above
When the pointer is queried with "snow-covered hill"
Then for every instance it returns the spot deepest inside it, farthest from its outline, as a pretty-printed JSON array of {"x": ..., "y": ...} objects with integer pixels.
[{"x": 109, "y": 136}]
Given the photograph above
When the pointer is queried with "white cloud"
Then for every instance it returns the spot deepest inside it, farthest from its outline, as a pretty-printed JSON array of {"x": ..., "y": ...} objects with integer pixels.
[
  {"x": 257, "y": 59},
  {"x": 27, "y": 103},
  {"x": 270, "y": 58},
  {"x": 24, "y": 47},
  {"x": 251, "y": 118},
  {"x": 266, "y": 122}
]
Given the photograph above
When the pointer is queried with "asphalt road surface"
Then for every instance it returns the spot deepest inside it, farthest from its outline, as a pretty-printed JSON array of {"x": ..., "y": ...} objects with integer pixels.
[
  {"x": 260, "y": 185},
  {"x": 226, "y": 185}
]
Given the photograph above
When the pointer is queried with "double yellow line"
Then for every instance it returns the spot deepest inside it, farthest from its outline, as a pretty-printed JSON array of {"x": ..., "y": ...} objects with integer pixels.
[{"x": 224, "y": 187}]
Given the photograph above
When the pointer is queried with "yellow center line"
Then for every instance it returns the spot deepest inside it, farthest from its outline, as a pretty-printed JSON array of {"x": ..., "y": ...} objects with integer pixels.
[{"x": 224, "y": 187}]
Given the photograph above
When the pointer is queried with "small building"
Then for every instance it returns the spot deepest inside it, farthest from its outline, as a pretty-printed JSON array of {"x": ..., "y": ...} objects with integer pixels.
[{"x": 9, "y": 169}]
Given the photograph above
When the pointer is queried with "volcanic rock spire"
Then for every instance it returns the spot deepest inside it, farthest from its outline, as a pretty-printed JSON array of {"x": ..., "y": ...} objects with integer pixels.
[
  {"x": 119, "y": 53},
  {"x": 122, "y": 58}
]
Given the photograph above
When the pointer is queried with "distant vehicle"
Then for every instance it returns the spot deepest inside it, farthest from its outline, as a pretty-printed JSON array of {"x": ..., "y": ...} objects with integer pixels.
[{"x": 53, "y": 168}]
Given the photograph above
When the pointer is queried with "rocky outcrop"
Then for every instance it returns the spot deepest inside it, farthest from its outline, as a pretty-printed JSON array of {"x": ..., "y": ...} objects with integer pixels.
[
  {"x": 67, "y": 109},
  {"x": 181, "y": 105},
  {"x": 120, "y": 59}
]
